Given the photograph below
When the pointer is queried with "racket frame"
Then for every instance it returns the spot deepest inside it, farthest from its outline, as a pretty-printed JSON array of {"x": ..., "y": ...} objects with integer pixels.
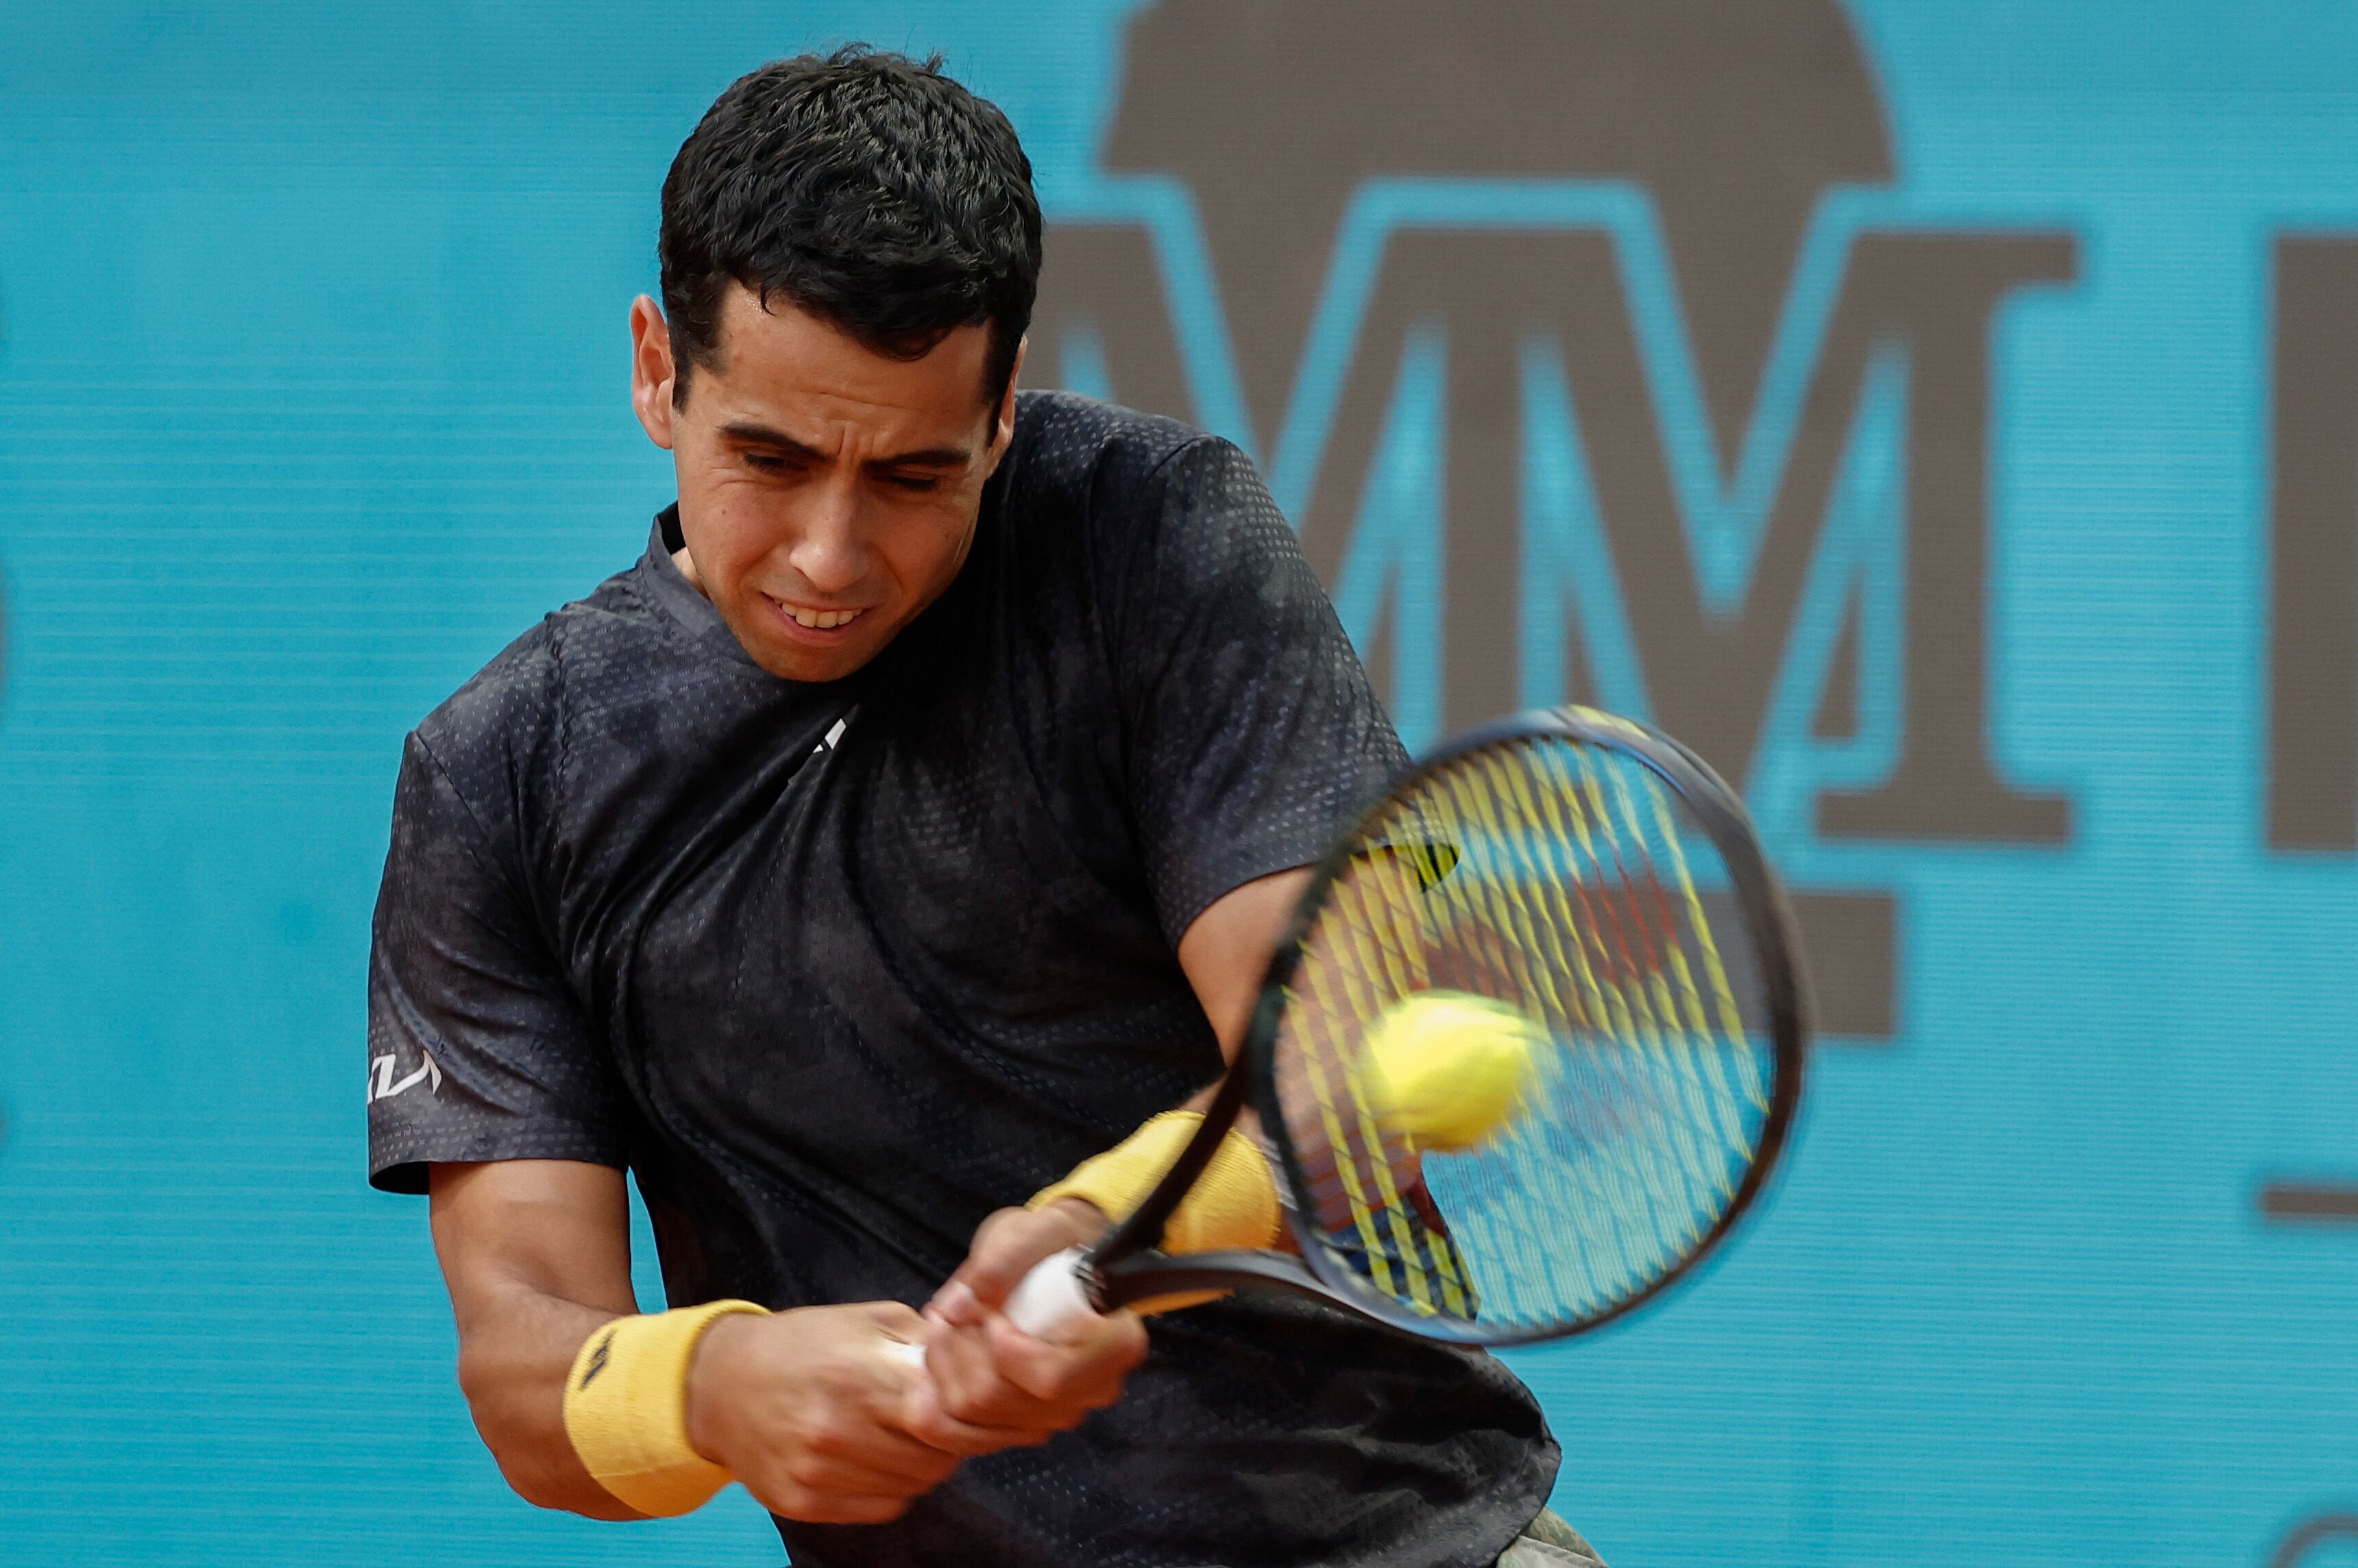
[{"x": 1124, "y": 1266}]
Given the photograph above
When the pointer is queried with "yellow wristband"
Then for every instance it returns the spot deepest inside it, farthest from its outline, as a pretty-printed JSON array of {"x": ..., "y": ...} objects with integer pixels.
[
  {"x": 626, "y": 1408},
  {"x": 1232, "y": 1204}
]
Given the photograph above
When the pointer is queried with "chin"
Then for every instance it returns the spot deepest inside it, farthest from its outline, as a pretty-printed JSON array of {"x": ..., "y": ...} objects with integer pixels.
[
  {"x": 800, "y": 664},
  {"x": 792, "y": 662}
]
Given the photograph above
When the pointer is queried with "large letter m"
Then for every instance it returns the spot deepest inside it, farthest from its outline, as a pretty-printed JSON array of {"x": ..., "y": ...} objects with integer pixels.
[{"x": 1500, "y": 458}]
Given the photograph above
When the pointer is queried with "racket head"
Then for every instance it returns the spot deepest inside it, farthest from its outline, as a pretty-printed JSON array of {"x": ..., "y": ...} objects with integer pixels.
[{"x": 1600, "y": 880}]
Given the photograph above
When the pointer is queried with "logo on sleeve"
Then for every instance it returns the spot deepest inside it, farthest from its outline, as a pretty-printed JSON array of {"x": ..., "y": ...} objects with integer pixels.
[{"x": 382, "y": 1084}]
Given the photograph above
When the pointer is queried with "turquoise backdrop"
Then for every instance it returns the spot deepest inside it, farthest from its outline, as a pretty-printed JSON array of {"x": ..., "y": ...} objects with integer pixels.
[{"x": 313, "y": 393}]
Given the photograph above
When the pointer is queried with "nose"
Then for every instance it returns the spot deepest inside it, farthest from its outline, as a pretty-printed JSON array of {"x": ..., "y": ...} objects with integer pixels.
[{"x": 831, "y": 551}]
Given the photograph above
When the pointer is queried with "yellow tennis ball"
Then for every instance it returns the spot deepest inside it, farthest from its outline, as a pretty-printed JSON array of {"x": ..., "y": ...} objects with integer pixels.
[{"x": 1446, "y": 1067}]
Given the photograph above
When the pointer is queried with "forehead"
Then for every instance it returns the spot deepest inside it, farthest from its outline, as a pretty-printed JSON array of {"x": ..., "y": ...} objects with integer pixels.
[{"x": 783, "y": 358}]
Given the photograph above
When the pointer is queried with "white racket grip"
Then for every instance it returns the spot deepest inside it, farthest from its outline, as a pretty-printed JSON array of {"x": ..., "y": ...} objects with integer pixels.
[{"x": 1050, "y": 1297}]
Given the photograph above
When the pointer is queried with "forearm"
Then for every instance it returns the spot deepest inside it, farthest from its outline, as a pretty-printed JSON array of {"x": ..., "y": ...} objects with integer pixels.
[{"x": 536, "y": 1255}]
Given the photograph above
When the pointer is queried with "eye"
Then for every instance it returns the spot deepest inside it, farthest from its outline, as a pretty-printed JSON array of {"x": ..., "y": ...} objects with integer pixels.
[
  {"x": 766, "y": 462},
  {"x": 914, "y": 483}
]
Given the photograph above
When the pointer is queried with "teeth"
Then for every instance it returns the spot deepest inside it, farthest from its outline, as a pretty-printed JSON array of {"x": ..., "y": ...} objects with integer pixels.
[{"x": 820, "y": 619}]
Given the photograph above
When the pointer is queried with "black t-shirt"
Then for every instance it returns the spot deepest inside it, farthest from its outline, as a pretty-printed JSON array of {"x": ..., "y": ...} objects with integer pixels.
[{"x": 839, "y": 968}]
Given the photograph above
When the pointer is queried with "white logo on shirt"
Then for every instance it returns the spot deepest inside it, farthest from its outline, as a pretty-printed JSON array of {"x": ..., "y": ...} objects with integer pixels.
[{"x": 384, "y": 1085}]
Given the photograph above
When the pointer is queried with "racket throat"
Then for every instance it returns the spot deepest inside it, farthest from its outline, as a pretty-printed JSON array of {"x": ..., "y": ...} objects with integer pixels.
[{"x": 1146, "y": 1276}]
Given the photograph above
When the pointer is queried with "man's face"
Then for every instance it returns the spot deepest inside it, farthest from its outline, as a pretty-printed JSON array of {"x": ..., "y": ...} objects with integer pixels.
[{"x": 827, "y": 493}]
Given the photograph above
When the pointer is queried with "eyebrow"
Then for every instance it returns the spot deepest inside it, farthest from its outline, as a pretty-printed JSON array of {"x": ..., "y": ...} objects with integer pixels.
[{"x": 752, "y": 434}]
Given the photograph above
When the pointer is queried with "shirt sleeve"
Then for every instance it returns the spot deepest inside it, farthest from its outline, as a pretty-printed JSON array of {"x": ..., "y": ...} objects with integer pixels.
[
  {"x": 1254, "y": 735},
  {"x": 476, "y": 1047}
]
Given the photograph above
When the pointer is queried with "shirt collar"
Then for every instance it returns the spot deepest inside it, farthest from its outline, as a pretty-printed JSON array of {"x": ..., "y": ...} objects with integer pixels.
[{"x": 660, "y": 579}]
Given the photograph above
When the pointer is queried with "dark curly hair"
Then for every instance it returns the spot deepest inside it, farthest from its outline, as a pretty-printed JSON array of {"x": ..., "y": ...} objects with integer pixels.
[{"x": 864, "y": 187}]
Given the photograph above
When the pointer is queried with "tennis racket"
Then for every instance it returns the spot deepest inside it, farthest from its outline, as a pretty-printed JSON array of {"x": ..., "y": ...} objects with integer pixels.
[{"x": 1595, "y": 882}]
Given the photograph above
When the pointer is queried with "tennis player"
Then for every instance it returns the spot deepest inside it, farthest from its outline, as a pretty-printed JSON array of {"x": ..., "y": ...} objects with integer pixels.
[{"x": 905, "y": 830}]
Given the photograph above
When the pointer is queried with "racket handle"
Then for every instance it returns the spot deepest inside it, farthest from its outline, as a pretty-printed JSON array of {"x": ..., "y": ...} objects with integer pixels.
[
  {"x": 1047, "y": 1299},
  {"x": 1051, "y": 1297}
]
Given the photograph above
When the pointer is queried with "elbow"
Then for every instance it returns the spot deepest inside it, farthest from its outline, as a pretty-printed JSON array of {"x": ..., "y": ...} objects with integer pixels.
[
  {"x": 540, "y": 1485},
  {"x": 529, "y": 1444}
]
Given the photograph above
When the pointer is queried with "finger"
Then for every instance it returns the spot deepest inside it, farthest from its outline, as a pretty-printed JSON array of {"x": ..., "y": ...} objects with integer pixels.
[
  {"x": 977, "y": 1441},
  {"x": 929, "y": 1423},
  {"x": 969, "y": 1387},
  {"x": 897, "y": 1320},
  {"x": 1001, "y": 1377},
  {"x": 795, "y": 1502},
  {"x": 955, "y": 1305},
  {"x": 1007, "y": 1245},
  {"x": 923, "y": 1418},
  {"x": 857, "y": 1442},
  {"x": 874, "y": 1459},
  {"x": 990, "y": 1269},
  {"x": 974, "y": 1389},
  {"x": 1086, "y": 1366}
]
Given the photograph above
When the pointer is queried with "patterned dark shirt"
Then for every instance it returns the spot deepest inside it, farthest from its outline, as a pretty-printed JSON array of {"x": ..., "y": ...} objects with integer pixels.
[{"x": 835, "y": 970}]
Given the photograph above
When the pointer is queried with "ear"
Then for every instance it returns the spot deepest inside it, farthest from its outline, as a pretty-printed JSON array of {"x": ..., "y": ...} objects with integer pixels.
[
  {"x": 1002, "y": 432},
  {"x": 652, "y": 370}
]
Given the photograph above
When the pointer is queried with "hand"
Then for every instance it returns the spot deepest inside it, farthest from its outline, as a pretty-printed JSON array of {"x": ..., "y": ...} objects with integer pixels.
[
  {"x": 821, "y": 1416},
  {"x": 991, "y": 1375}
]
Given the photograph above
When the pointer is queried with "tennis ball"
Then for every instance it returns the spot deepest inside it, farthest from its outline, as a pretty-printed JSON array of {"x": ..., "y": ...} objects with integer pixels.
[{"x": 1446, "y": 1067}]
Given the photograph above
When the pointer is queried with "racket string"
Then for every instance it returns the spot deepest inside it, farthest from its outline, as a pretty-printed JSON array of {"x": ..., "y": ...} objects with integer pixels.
[
  {"x": 1661, "y": 1024},
  {"x": 1362, "y": 1159},
  {"x": 1555, "y": 878},
  {"x": 1623, "y": 1017}
]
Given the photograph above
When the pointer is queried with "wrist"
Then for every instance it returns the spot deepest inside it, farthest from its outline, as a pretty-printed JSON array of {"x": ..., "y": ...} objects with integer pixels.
[
  {"x": 713, "y": 1370},
  {"x": 626, "y": 1407},
  {"x": 1086, "y": 1222}
]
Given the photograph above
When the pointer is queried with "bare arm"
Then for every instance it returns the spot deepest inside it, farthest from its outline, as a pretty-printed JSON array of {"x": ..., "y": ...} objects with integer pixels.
[
  {"x": 1224, "y": 953},
  {"x": 536, "y": 1254},
  {"x": 813, "y": 1409}
]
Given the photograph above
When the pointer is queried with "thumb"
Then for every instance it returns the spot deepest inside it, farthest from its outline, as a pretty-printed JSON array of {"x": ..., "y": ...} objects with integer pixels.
[
  {"x": 1009, "y": 1244},
  {"x": 896, "y": 1320}
]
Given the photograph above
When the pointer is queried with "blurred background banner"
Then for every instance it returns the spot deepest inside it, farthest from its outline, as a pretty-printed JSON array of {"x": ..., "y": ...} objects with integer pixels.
[{"x": 1943, "y": 415}]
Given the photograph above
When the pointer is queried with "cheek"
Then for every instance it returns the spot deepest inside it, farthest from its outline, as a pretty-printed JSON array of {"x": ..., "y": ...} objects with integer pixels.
[
  {"x": 926, "y": 552},
  {"x": 738, "y": 522}
]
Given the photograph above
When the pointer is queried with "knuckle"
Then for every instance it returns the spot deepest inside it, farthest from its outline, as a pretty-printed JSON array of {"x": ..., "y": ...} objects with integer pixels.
[
  {"x": 995, "y": 1224},
  {"x": 1064, "y": 1378},
  {"x": 938, "y": 1429}
]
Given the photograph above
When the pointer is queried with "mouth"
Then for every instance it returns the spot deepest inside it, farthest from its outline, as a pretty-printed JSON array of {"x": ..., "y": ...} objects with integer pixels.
[{"x": 816, "y": 623}]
